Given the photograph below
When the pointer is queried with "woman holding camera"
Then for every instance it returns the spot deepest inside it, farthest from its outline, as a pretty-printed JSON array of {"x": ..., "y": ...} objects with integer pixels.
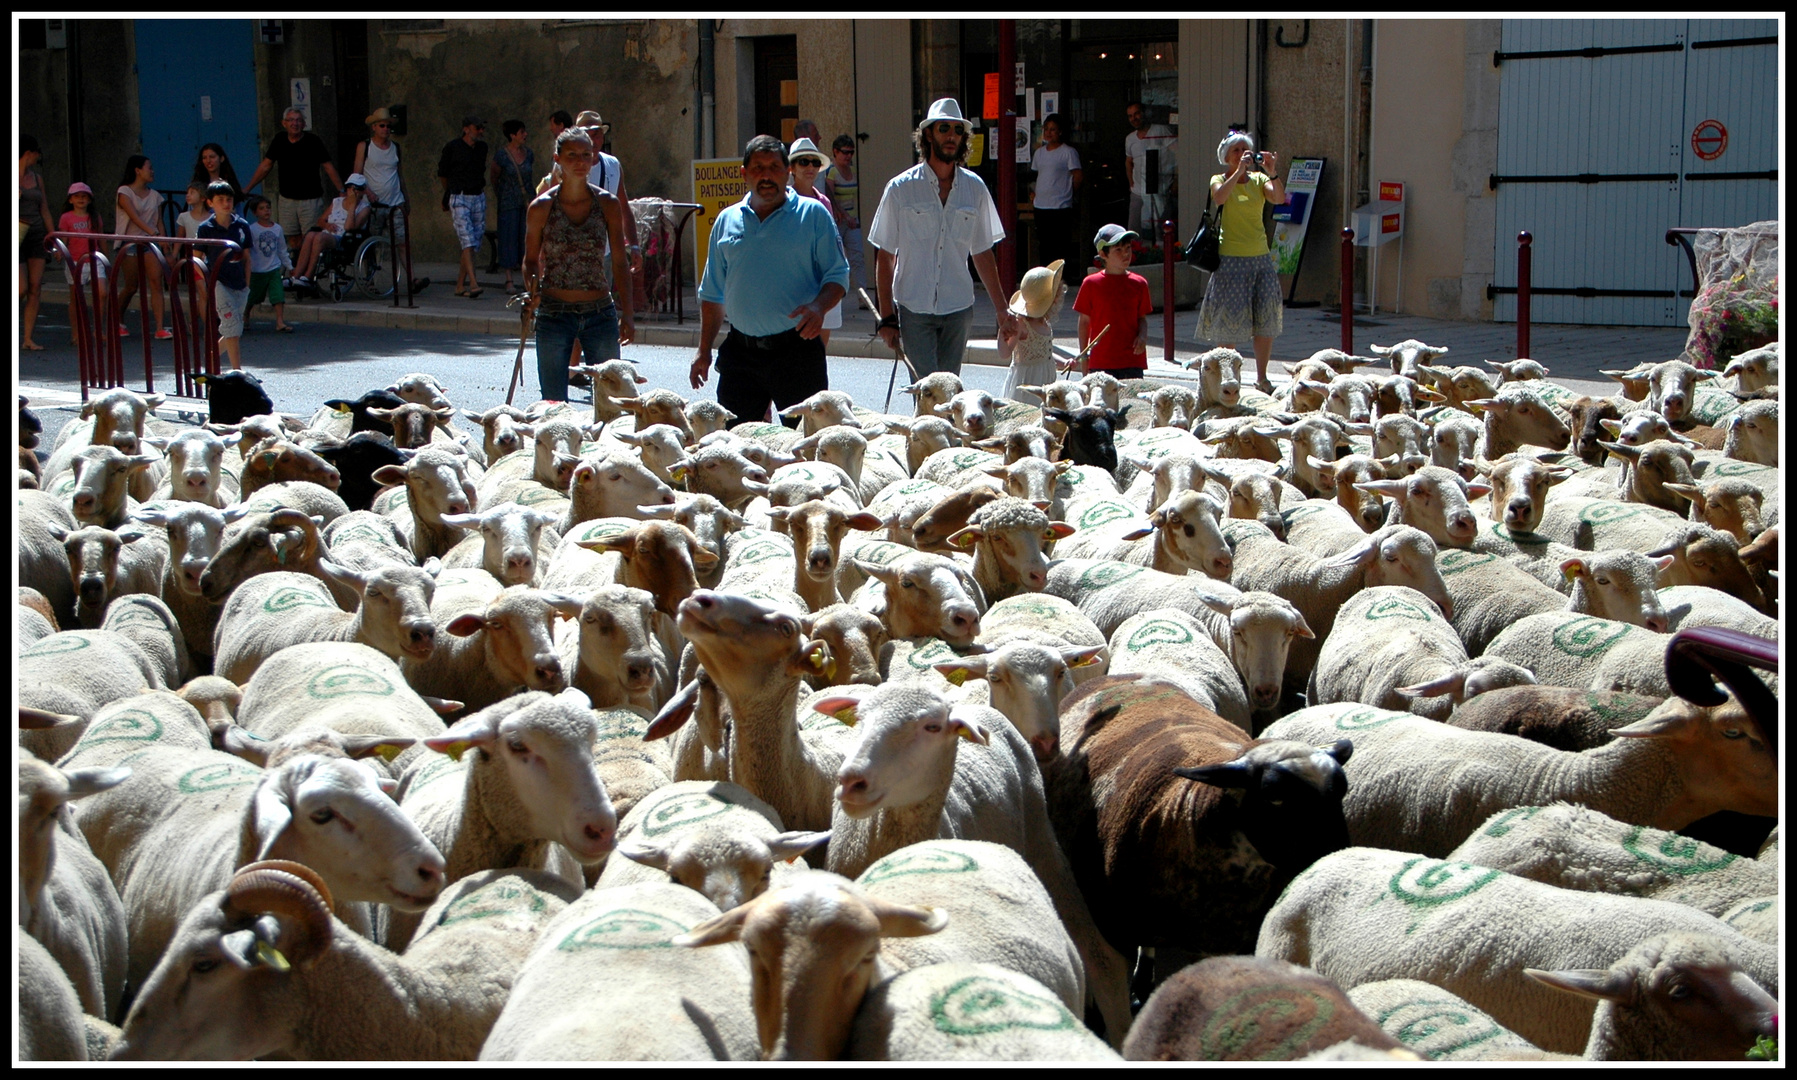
[{"x": 1244, "y": 299}]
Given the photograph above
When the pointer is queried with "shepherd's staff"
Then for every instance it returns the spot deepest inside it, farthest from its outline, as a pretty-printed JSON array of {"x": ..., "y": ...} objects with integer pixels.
[
  {"x": 1075, "y": 361},
  {"x": 898, "y": 354},
  {"x": 522, "y": 299}
]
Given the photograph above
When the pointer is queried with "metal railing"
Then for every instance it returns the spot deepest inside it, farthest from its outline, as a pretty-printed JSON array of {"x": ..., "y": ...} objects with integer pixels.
[{"x": 96, "y": 308}]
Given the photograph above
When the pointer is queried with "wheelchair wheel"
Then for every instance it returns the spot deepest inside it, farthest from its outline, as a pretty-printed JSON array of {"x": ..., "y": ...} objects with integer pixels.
[{"x": 371, "y": 268}]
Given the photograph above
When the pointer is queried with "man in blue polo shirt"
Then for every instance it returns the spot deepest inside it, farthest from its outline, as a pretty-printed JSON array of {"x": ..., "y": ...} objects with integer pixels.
[{"x": 774, "y": 268}]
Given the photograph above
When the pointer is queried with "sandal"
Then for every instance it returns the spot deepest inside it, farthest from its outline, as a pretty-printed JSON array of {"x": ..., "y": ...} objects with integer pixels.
[
  {"x": 1265, "y": 386},
  {"x": 474, "y": 294},
  {"x": 284, "y": 329},
  {"x": 461, "y": 292},
  {"x": 31, "y": 346}
]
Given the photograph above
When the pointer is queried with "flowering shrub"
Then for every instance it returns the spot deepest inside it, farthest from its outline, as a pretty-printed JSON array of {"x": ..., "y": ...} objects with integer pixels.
[{"x": 1725, "y": 321}]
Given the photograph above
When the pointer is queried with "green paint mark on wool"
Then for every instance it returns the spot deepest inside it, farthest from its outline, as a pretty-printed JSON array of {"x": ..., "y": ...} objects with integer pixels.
[
  {"x": 1674, "y": 854},
  {"x": 907, "y": 862},
  {"x": 982, "y": 1005},
  {"x": 624, "y": 928},
  {"x": 1431, "y": 882}
]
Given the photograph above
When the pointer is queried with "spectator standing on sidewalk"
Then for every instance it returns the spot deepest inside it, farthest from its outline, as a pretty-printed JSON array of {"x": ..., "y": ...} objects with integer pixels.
[
  {"x": 300, "y": 154},
  {"x": 932, "y": 218},
  {"x": 231, "y": 288},
  {"x": 807, "y": 161},
  {"x": 34, "y": 214},
  {"x": 268, "y": 257},
  {"x": 844, "y": 192},
  {"x": 512, "y": 168},
  {"x": 78, "y": 217},
  {"x": 377, "y": 159},
  {"x": 773, "y": 269},
  {"x": 463, "y": 169},
  {"x": 1147, "y": 208},
  {"x": 1115, "y": 298},
  {"x": 579, "y": 293},
  {"x": 1058, "y": 177},
  {"x": 139, "y": 214},
  {"x": 188, "y": 221},
  {"x": 212, "y": 164},
  {"x": 1243, "y": 299}
]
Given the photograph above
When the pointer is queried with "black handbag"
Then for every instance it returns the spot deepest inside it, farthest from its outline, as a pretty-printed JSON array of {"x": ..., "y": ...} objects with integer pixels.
[{"x": 1201, "y": 250}]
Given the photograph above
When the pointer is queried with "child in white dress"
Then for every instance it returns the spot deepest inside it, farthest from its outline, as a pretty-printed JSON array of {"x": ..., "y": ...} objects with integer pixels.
[{"x": 1031, "y": 352}]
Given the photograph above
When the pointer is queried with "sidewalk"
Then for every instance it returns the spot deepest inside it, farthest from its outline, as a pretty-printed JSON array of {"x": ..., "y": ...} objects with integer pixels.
[{"x": 1574, "y": 354}]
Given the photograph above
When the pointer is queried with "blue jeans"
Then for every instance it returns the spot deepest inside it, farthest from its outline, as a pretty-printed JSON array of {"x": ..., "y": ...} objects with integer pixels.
[
  {"x": 934, "y": 342},
  {"x": 558, "y": 326}
]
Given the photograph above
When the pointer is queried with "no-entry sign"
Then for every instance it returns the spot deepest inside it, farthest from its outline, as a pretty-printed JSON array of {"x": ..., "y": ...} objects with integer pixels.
[{"x": 1709, "y": 139}]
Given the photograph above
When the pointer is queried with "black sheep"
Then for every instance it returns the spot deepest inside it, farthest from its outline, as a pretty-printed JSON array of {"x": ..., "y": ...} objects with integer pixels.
[
  {"x": 356, "y": 459},
  {"x": 1091, "y": 434},
  {"x": 233, "y": 396},
  {"x": 373, "y": 399}
]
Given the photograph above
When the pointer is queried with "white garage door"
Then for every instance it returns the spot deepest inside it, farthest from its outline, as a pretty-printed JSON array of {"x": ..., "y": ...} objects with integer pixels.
[{"x": 1610, "y": 132}]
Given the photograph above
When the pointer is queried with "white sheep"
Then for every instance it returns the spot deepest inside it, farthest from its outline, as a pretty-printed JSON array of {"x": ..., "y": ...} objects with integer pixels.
[
  {"x": 1175, "y": 646},
  {"x": 436, "y": 483},
  {"x": 263, "y": 969},
  {"x": 196, "y": 470},
  {"x": 1566, "y": 648},
  {"x": 1408, "y": 355},
  {"x": 1752, "y": 433},
  {"x": 712, "y": 837},
  {"x": 365, "y": 540},
  {"x": 530, "y": 781},
  {"x": 904, "y": 782},
  {"x": 76, "y": 673},
  {"x": 1362, "y": 915},
  {"x": 151, "y": 626},
  {"x": 99, "y": 481},
  {"x": 1575, "y": 847},
  {"x": 1424, "y": 786},
  {"x": 1441, "y": 1026},
  {"x": 66, "y": 901},
  {"x": 612, "y": 654},
  {"x": 215, "y": 812},
  {"x": 270, "y": 612},
  {"x": 1008, "y": 536},
  {"x": 1184, "y": 528},
  {"x": 43, "y": 523},
  {"x": 922, "y": 595},
  {"x": 602, "y": 985},
  {"x": 508, "y": 541},
  {"x": 965, "y": 1013},
  {"x": 498, "y": 640},
  {"x": 1317, "y": 587},
  {"x": 194, "y": 531},
  {"x": 50, "y": 1023}
]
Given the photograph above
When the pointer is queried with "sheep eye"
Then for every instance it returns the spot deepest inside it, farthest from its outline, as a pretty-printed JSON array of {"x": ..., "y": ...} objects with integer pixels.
[
  {"x": 933, "y": 728},
  {"x": 1678, "y": 991},
  {"x": 516, "y": 746},
  {"x": 323, "y": 817},
  {"x": 1734, "y": 733},
  {"x": 201, "y": 967},
  {"x": 1603, "y": 581},
  {"x": 908, "y": 583}
]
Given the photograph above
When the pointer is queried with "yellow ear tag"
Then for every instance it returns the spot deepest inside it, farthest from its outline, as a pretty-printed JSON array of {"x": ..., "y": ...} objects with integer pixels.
[
  {"x": 456, "y": 750},
  {"x": 847, "y": 716},
  {"x": 678, "y": 475},
  {"x": 966, "y": 734},
  {"x": 958, "y": 676},
  {"x": 388, "y": 751},
  {"x": 342, "y": 410},
  {"x": 271, "y": 956},
  {"x": 830, "y": 669},
  {"x": 1093, "y": 659},
  {"x": 1570, "y": 572},
  {"x": 815, "y": 657}
]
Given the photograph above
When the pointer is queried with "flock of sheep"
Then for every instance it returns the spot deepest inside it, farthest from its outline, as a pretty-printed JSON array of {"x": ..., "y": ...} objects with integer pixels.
[{"x": 1332, "y": 725}]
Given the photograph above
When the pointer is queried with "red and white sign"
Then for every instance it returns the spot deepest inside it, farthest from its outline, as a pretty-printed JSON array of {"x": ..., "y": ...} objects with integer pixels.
[
  {"x": 1709, "y": 139},
  {"x": 1391, "y": 191}
]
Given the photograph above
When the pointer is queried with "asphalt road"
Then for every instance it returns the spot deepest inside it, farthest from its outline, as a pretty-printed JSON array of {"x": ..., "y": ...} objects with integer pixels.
[{"x": 319, "y": 362}]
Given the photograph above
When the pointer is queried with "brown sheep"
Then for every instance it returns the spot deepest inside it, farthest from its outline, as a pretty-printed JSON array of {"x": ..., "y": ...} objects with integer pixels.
[
  {"x": 1246, "y": 1008},
  {"x": 1555, "y": 716},
  {"x": 1167, "y": 862},
  {"x": 1588, "y": 414}
]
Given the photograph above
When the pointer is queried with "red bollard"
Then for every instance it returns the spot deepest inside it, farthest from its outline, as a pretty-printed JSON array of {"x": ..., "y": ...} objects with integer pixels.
[
  {"x": 1168, "y": 247},
  {"x": 1524, "y": 258},
  {"x": 1348, "y": 290}
]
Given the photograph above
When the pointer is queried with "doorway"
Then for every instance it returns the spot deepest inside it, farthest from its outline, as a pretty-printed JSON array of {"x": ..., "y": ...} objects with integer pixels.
[
  {"x": 777, "y": 86},
  {"x": 349, "y": 37},
  {"x": 196, "y": 84}
]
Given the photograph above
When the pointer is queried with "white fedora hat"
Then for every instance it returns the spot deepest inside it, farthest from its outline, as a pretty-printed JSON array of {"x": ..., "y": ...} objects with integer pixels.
[{"x": 944, "y": 109}]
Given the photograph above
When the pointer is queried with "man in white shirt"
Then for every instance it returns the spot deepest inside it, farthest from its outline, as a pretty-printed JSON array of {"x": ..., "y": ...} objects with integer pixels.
[
  {"x": 932, "y": 218},
  {"x": 1148, "y": 208}
]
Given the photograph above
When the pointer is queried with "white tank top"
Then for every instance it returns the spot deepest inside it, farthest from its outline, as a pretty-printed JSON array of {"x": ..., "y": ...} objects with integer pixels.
[{"x": 381, "y": 167}]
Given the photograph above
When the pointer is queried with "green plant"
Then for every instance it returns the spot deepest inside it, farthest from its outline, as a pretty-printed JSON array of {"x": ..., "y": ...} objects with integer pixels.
[{"x": 1764, "y": 1049}]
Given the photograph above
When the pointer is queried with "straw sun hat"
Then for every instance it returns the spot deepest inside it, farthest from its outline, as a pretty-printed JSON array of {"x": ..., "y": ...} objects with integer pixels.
[{"x": 1038, "y": 291}]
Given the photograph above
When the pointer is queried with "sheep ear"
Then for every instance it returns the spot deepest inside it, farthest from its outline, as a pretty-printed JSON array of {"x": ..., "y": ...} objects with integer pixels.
[
  {"x": 1451, "y": 683},
  {"x": 466, "y": 625},
  {"x": 842, "y": 708},
  {"x": 273, "y": 813},
  {"x": 1572, "y": 568},
  {"x": 387, "y": 746},
  {"x": 1614, "y": 427},
  {"x": 959, "y": 671},
  {"x": 388, "y": 475},
  {"x": 1621, "y": 450},
  {"x": 1393, "y": 488},
  {"x": 93, "y": 780},
  {"x": 790, "y": 845},
  {"x": 479, "y": 730},
  {"x": 624, "y": 543},
  {"x": 1081, "y": 656},
  {"x": 901, "y": 920},
  {"x": 645, "y": 852},
  {"x": 1216, "y": 603},
  {"x": 1475, "y": 490},
  {"x": 1588, "y": 982},
  {"x": 1664, "y": 562},
  {"x": 675, "y": 713},
  {"x": 1561, "y": 474},
  {"x": 1058, "y": 530},
  {"x": 1427, "y": 394},
  {"x": 1662, "y": 723},
  {"x": 1141, "y": 531},
  {"x": 1301, "y": 629},
  {"x": 725, "y": 928},
  {"x": 1229, "y": 774},
  {"x": 1341, "y": 751},
  {"x": 966, "y": 538},
  {"x": 970, "y": 729}
]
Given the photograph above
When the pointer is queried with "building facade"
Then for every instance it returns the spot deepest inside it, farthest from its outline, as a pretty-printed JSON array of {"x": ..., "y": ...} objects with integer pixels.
[{"x": 1587, "y": 133}]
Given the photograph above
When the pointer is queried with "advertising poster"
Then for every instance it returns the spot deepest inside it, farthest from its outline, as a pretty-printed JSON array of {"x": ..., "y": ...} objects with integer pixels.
[
  {"x": 717, "y": 183},
  {"x": 1291, "y": 220}
]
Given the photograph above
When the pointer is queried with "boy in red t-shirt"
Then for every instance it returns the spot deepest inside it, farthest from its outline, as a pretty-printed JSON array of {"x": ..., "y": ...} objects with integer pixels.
[{"x": 1116, "y": 298}]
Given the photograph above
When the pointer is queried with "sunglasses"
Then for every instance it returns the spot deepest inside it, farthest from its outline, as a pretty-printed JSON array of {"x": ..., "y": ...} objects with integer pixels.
[
  {"x": 946, "y": 128},
  {"x": 383, "y": 124}
]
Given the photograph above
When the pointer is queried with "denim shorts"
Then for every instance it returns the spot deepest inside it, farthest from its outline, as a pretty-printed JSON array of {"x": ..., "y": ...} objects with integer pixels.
[
  {"x": 559, "y": 325},
  {"x": 469, "y": 212}
]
